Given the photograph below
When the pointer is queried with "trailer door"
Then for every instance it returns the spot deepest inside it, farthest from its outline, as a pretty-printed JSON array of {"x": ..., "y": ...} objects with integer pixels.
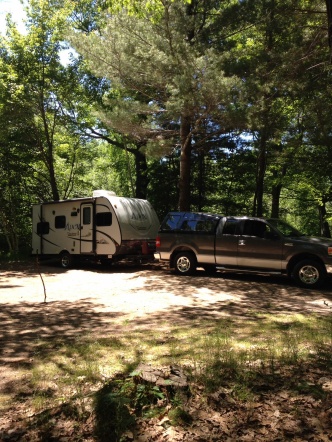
[{"x": 87, "y": 236}]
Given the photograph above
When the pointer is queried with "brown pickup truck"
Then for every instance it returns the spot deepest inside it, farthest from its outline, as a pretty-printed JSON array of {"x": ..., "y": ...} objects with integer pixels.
[{"x": 188, "y": 240}]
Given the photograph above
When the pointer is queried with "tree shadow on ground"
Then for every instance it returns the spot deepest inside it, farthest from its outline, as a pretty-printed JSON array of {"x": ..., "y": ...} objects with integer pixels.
[
  {"x": 204, "y": 298},
  {"x": 24, "y": 325},
  {"x": 240, "y": 298},
  {"x": 196, "y": 301},
  {"x": 239, "y": 294}
]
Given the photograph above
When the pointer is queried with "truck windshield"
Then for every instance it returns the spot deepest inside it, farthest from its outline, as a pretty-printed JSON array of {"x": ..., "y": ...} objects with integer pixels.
[{"x": 284, "y": 228}]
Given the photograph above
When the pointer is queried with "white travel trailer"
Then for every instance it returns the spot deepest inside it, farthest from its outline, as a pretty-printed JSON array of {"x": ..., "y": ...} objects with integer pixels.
[{"x": 104, "y": 227}]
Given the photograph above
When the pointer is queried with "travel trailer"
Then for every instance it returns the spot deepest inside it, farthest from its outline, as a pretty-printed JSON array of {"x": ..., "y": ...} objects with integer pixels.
[{"x": 104, "y": 227}]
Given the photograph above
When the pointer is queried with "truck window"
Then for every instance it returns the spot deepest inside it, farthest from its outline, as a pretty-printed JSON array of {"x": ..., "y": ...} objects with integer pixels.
[
  {"x": 188, "y": 226},
  {"x": 103, "y": 219},
  {"x": 231, "y": 227},
  {"x": 170, "y": 222},
  {"x": 206, "y": 226},
  {"x": 43, "y": 228},
  {"x": 199, "y": 225},
  {"x": 60, "y": 222},
  {"x": 254, "y": 228}
]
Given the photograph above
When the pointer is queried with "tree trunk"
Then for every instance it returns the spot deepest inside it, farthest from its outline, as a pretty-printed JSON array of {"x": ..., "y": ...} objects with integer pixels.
[
  {"x": 276, "y": 191},
  {"x": 329, "y": 21},
  {"x": 9, "y": 229},
  {"x": 201, "y": 181},
  {"x": 54, "y": 186},
  {"x": 48, "y": 150},
  {"x": 261, "y": 167},
  {"x": 185, "y": 160},
  {"x": 324, "y": 225},
  {"x": 141, "y": 169}
]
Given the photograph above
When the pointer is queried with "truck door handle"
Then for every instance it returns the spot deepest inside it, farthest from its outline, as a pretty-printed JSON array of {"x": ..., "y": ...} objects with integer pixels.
[{"x": 242, "y": 242}]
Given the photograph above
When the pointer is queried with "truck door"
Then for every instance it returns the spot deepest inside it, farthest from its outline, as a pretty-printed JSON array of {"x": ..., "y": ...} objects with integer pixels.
[
  {"x": 87, "y": 235},
  {"x": 227, "y": 239},
  {"x": 259, "y": 246}
]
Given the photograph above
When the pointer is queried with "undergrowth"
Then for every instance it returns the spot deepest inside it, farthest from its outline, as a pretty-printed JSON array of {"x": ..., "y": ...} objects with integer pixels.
[{"x": 97, "y": 376}]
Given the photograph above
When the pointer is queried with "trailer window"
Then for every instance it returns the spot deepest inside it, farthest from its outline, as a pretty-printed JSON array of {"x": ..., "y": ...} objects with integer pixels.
[
  {"x": 43, "y": 228},
  {"x": 86, "y": 215},
  {"x": 60, "y": 222},
  {"x": 103, "y": 219}
]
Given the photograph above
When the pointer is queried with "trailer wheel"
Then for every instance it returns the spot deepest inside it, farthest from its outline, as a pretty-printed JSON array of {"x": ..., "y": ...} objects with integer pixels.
[
  {"x": 309, "y": 273},
  {"x": 185, "y": 263},
  {"x": 66, "y": 260}
]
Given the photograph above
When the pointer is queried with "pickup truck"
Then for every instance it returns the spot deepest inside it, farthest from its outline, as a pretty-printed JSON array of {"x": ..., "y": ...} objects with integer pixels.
[{"x": 188, "y": 240}]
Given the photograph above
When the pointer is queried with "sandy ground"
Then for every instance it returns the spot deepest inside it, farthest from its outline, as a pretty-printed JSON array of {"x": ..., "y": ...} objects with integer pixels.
[
  {"x": 143, "y": 290},
  {"x": 98, "y": 300}
]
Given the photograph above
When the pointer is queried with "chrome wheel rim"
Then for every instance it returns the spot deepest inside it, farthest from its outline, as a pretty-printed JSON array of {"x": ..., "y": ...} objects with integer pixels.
[
  {"x": 309, "y": 274},
  {"x": 65, "y": 261},
  {"x": 183, "y": 264}
]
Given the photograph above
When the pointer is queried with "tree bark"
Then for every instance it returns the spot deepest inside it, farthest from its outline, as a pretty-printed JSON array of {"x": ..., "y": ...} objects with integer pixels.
[
  {"x": 201, "y": 181},
  {"x": 329, "y": 21},
  {"x": 324, "y": 225},
  {"x": 54, "y": 186},
  {"x": 141, "y": 169},
  {"x": 261, "y": 167},
  {"x": 276, "y": 191},
  {"x": 185, "y": 163}
]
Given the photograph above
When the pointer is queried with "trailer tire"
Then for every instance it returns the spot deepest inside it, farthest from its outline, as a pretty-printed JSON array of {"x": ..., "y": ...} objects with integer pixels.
[
  {"x": 309, "y": 273},
  {"x": 66, "y": 260},
  {"x": 185, "y": 263}
]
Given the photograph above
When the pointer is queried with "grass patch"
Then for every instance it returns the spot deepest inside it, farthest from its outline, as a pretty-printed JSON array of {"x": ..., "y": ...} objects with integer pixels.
[
  {"x": 242, "y": 357},
  {"x": 208, "y": 349}
]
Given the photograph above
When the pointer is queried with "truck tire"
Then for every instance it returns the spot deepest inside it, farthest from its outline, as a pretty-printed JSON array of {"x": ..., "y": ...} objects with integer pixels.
[
  {"x": 185, "y": 263},
  {"x": 66, "y": 260},
  {"x": 309, "y": 273}
]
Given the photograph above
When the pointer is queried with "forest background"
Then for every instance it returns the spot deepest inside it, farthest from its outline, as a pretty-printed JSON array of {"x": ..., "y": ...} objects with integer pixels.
[{"x": 220, "y": 106}]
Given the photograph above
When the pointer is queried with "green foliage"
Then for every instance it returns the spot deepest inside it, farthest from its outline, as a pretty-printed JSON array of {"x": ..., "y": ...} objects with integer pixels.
[
  {"x": 252, "y": 81},
  {"x": 119, "y": 402},
  {"x": 178, "y": 416},
  {"x": 103, "y": 166},
  {"x": 112, "y": 413}
]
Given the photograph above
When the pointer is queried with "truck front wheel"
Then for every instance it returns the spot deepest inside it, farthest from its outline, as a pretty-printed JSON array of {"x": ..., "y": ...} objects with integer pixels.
[
  {"x": 185, "y": 263},
  {"x": 309, "y": 273},
  {"x": 66, "y": 260}
]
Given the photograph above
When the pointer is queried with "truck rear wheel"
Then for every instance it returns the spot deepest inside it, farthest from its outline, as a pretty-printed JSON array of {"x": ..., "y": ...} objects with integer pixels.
[
  {"x": 66, "y": 260},
  {"x": 185, "y": 263},
  {"x": 309, "y": 273}
]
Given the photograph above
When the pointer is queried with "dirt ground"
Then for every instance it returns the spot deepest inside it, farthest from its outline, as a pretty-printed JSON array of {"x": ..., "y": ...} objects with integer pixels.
[
  {"x": 91, "y": 298},
  {"x": 95, "y": 298}
]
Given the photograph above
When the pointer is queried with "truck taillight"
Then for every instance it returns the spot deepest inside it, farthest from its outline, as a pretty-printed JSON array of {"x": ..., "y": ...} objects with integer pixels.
[
  {"x": 329, "y": 250},
  {"x": 158, "y": 241}
]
